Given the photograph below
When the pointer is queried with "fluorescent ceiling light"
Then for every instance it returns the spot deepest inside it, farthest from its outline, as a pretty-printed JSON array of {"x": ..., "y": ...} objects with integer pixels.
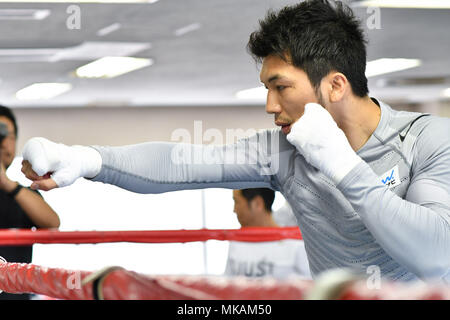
[
  {"x": 87, "y": 51},
  {"x": 107, "y": 30},
  {"x": 109, "y": 67},
  {"x": 23, "y": 14},
  {"x": 415, "y": 4},
  {"x": 42, "y": 91},
  {"x": 385, "y": 65},
  {"x": 258, "y": 93},
  {"x": 189, "y": 28},
  {"x": 446, "y": 93},
  {"x": 92, "y": 50}
]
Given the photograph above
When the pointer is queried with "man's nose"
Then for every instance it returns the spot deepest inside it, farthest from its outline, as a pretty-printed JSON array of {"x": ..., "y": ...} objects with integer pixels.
[{"x": 272, "y": 104}]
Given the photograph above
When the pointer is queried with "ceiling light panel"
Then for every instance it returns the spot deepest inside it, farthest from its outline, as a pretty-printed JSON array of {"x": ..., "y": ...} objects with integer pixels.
[
  {"x": 387, "y": 65},
  {"x": 23, "y": 14},
  {"x": 446, "y": 93},
  {"x": 110, "y": 67},
  {"x": 109, "y": 29},
  {"x": 189, "y": 28},
  {"x": 257, "y": 93},
  {"x": 42, "y": 91},
  {"x": 91, "y": 50}
]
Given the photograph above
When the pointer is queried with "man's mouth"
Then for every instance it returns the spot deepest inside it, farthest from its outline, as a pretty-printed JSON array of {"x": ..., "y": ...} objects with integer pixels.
[{"x": 285, "y": 127}]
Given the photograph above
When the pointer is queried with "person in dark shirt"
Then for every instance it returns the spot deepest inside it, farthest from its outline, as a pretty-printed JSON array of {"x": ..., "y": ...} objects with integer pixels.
[{"x": 20, "y": 207}]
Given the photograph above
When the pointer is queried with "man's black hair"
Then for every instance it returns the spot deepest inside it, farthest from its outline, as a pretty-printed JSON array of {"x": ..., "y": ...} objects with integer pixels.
[
  {"x": 7, "y": 112},
  {"x": 318, "y": 38},
  {"x": 268, "y": 195}
]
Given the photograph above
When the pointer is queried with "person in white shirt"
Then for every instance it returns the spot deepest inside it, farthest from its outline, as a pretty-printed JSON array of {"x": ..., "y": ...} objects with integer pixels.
[{"x": 278, "y": 259}]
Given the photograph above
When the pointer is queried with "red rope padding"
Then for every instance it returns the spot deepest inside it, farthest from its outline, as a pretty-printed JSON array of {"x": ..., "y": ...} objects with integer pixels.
[
  {"x": 253, "y": 234},
  {"x": 395, "y": 291},
  {"x": 120, "y": 284},
  {"x": 56, "y": 283}
]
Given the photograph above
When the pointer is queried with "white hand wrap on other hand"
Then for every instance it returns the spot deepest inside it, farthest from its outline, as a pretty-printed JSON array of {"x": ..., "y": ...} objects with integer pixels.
[
  {"x": 322, "y": 143},
  {"x": 66, "y": 163}
]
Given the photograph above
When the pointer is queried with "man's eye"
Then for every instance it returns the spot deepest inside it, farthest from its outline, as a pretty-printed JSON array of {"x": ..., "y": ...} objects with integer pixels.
[{"x": 279, "y": 88}]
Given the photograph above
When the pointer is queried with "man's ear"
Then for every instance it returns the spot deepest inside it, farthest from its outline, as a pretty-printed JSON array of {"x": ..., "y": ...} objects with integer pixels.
[
  {"x": 257, "y": 203},
  {"x": 337, "y": 84}
]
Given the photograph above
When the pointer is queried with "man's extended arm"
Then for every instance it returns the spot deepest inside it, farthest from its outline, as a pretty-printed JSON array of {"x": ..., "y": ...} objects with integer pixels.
[
  {"x": 157, "y": 167},
  {"x": 152, "y": 167}
]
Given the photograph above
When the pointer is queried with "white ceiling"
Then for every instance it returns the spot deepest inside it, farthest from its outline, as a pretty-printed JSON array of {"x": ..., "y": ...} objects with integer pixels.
[{"x": 199, "y": 52}]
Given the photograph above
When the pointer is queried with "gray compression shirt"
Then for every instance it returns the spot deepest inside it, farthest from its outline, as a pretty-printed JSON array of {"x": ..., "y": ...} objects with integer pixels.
[{"x": 391, "y": 211}]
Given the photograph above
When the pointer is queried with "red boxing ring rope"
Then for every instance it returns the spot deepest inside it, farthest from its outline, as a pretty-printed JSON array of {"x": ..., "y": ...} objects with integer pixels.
[
  {"x": 120, "y": 284},
  {"x": 117, "y": 283},
  {"x": 253, "y": 234},
  {"x": 22, "y": 277}
]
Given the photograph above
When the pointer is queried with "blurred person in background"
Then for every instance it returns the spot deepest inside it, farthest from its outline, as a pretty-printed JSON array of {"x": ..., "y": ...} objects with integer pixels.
[
  {"x": 20, "y": 207},
  {"x": 280, "y": 259}
]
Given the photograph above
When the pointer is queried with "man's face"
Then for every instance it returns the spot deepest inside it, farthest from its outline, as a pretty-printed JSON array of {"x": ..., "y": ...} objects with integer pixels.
[
  {"x": 8, "y": 145},
  {"x": 242, "y": 208},
  {"x": 289, "y": 90}
]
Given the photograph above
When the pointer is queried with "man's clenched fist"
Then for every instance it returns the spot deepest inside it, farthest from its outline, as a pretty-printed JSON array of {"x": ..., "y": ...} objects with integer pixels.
[{"x": 50, "y": 165}]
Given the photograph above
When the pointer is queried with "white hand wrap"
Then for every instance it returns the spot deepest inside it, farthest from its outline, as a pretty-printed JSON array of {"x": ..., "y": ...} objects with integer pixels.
[
  {"x": 322, "y": 143},
  {"x": 67, "y": 163}
]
